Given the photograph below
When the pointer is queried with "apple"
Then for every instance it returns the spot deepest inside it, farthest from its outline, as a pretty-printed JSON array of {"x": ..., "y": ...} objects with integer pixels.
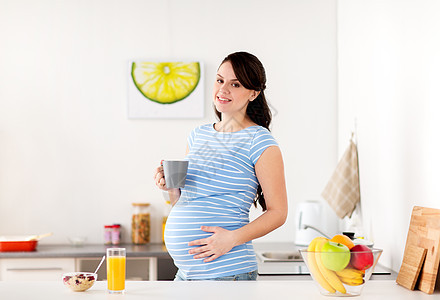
[
  {"x": 335, "y": 256},
  {"x": 361, "y": 257}
]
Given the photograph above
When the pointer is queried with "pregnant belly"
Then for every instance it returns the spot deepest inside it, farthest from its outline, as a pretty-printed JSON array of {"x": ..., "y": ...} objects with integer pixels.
[
  {"x": 184, "y": 228},
  {"x": 180, "y": 231}
]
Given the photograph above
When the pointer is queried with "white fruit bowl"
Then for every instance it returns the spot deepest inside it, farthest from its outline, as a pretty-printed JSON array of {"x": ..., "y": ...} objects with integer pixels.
[{"x": 344, "y": 283}]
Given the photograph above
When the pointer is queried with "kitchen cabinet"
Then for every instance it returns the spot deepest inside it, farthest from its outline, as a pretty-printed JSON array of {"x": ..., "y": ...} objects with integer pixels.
[{"x": 35, "y": 269}]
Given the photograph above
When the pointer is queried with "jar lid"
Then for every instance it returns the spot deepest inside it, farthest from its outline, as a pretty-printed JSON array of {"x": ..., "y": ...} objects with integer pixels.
[
  {"x": 108, "y": 226},
  {"x": 140, "y": 204},
  {"x": 116, "y": 226}
]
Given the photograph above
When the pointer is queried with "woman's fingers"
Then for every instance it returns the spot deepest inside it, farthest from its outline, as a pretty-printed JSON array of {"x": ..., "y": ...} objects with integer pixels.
[
  {"x": 198, "y": 242},
  {"x": 162, "y": 183},
  {"x": 158, "y": 172},
  {"x": 209, "y": 255},
  {"x": 159, "y": 178},
  {"x": 211, "y": 258},
  {"x": 201, "y": 252},
  {"x": 214, "y": 246}
]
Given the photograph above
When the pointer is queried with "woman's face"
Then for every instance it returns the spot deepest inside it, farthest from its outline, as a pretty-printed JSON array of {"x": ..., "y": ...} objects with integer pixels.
[{"x": 230, "y": 96}]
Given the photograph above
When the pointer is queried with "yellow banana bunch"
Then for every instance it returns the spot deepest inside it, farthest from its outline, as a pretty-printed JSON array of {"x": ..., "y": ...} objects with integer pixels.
[
  {"x": 329, "y": 275},
  {"x": 351, "y": 273},
  {"x": 325, "y": 277},
  {"x": 351, "y": 276},
  {"x": 313, "y": 267}
]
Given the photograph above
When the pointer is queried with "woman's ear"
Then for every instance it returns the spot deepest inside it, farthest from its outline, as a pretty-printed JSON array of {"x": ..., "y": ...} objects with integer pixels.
[{"x": 254, "y": 95}]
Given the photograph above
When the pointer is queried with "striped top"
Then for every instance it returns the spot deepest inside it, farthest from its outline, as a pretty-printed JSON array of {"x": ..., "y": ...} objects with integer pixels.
[{"x": 220, "y": 188}]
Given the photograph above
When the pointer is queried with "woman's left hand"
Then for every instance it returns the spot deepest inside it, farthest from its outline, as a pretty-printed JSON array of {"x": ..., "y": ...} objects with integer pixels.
[{"x": 219, "y": 243}]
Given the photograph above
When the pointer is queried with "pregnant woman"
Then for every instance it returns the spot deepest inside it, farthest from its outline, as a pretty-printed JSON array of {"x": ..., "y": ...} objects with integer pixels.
[{"x": 233, "y": 164}]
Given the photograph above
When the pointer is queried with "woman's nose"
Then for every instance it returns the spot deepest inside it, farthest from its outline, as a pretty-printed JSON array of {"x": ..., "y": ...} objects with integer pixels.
[{"x": 224, "y": 88}]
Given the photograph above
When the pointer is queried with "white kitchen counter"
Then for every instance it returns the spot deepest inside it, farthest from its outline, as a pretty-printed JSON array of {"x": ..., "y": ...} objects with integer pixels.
[{"x": 203, "y": 290}]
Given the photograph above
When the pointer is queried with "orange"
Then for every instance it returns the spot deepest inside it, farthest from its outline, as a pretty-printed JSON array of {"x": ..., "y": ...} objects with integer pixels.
[{"x": 343, "y": 239}]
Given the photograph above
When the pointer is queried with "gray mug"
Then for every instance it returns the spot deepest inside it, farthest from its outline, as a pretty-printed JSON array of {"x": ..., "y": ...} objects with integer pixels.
[{"x": 175, "y": 173}]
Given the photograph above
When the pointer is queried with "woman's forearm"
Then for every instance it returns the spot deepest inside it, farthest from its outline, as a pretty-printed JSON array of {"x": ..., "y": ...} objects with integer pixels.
[{"x": 267, "y": 222}]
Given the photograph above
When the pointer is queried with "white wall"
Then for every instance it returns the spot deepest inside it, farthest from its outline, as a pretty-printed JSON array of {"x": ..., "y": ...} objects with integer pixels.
[
  {"x": 388, "y": 80},
  {"x": 71, "y": 161}
]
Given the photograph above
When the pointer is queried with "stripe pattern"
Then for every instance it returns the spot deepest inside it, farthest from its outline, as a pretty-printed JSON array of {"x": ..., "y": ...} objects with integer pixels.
[{"x": 219, "y": 190}]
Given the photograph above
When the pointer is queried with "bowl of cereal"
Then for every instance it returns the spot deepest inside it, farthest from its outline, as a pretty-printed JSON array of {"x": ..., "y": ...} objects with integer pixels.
[{"x": 79, "y": 281}]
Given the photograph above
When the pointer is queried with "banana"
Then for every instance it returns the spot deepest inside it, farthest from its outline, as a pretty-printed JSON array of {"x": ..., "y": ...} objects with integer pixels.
[
  {"x": 329, "y": 275},
  {"x": 350, "y": 273},
  {"x": 313, "y": 267},
  {"x": 352, "y": 281},
  {"x": 351, "y": 276}
]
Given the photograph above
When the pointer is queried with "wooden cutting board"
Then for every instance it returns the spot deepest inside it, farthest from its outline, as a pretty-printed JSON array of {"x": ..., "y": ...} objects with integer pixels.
[
  {"x": 412, "y": 263},
  {"x": 424, "y": 232}
]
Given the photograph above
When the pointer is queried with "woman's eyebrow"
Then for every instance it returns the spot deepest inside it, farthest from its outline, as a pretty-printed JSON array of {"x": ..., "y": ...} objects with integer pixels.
[{"x": 235, "y": 79}]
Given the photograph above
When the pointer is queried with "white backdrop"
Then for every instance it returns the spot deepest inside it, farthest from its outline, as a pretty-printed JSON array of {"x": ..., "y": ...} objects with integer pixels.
[
  {"x": 71, "y": 161},
  {"x": 388, "y": 81}
]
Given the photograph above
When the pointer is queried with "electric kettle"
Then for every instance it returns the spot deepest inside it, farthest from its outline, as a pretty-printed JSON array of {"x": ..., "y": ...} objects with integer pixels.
[{"x": 308, "y": 222}]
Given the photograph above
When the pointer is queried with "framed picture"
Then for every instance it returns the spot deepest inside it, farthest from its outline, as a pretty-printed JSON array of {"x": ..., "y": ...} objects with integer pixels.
[{"x": 165, "y": 90}]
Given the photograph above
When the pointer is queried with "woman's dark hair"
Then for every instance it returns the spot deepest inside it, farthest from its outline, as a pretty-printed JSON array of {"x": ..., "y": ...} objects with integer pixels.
[{"x": 251, "y": 74}]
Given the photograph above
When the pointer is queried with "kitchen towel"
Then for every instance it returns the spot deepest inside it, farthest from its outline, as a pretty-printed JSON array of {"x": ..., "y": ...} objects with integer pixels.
[{"x": 342, "y": 192}]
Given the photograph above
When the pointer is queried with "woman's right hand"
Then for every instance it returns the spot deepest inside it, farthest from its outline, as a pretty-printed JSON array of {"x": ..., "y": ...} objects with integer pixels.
[{"x": 159, "y": 179}]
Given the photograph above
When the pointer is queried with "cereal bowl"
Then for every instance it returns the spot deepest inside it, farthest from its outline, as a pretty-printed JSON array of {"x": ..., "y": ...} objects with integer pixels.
[
  {"x": 79, "y": 281},
  {"x": 345, "y": 282}
]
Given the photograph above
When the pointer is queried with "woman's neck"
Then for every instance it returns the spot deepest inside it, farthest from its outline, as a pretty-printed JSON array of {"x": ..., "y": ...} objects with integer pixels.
[{"x": 233, "y": 123}]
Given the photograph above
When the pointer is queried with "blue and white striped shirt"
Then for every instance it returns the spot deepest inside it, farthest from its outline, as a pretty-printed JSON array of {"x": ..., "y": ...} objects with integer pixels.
[{"x": 220, "y": 187}]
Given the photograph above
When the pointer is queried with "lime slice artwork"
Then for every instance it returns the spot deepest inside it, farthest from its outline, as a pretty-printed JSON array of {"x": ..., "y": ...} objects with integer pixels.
[
  {"x": 166, "y": 82},
  {"x": 159, "y": 89}
]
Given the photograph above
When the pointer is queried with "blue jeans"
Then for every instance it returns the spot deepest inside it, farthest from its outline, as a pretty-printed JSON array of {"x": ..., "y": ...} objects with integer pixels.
[{"x": 243, "y": 276}]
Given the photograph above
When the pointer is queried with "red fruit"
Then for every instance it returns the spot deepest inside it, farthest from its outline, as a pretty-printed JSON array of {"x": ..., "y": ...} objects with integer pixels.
[{"x": 361, "y": 257}]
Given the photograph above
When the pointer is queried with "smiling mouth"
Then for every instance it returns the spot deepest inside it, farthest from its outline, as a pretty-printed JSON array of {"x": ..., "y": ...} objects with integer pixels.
[{"x": 223, "y": 100}]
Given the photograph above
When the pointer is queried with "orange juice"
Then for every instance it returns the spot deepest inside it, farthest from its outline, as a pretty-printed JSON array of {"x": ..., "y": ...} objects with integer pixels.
[{"x": 116, "y": 273}]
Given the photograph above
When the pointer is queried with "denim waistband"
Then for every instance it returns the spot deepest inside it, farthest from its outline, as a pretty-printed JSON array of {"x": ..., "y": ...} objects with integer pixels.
[{"x": 243, "y": 276}]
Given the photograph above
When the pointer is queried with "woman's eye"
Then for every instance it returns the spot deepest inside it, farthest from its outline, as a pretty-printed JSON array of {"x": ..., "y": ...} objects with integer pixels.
[
  {"x": 236, "y": 85},
  {"x": 219, "y": 81}
]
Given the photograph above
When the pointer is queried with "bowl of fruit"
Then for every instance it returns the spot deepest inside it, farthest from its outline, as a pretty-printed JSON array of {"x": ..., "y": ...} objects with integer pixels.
[
  {"x": 338, "y": 266},
  {"x": 79, "y": 281}
]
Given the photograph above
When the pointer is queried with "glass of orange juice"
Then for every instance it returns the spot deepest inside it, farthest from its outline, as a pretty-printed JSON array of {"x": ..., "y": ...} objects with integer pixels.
[{"x": 116, "y": 270}]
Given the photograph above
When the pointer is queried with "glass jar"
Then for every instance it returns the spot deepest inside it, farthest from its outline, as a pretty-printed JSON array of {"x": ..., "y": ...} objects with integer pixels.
[
  {"x": 116, "y": 234},
  {"x": 140, "y": 223},
  {"x": 108, "y": 234}
]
